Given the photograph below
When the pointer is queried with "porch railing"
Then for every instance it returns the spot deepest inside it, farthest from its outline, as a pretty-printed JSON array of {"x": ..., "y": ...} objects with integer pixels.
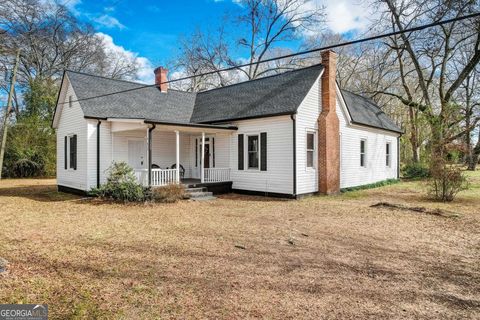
[
  {"x": 216, "y": 174},
  {"x": 160, "y": 177}
]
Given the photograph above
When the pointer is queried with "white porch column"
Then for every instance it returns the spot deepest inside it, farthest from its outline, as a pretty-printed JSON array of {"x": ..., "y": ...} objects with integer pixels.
[
  {"x": 177, "y": 163},
  {"x": 203, "y": 158}
]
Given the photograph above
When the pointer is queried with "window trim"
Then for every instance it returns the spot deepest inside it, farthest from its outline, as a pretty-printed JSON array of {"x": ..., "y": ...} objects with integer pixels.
[
  {"x": 388, "y": 156},
  {"x": 314, "y": 162},
  {"x": 69, "y": 164},
  {"x": 365, "y": 151},
  {"x": 247, "y": 153}
]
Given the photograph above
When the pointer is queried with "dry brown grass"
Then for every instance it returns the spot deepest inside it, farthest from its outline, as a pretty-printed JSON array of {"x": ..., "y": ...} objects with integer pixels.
[{"x": 321, "y": 257}]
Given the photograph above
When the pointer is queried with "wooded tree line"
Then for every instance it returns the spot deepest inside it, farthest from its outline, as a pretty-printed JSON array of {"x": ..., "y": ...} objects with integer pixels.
[
  {"x": 428, "y": 81},
  {"x": 51, "y": 39}
]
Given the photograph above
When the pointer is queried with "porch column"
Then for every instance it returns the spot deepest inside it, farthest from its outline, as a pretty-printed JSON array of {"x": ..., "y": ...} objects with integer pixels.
[
  {"x": 203, "y": 158},
  {"x": 150, "y": 154},
  {"x": 177, "y": 163}
]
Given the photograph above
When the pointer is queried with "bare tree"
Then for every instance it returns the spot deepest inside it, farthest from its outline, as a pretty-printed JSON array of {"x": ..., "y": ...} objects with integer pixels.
[
  {"x": 426, "y": 61},
  {"x": 268, "y": 23},
  {"x": 52, "y": 39}
]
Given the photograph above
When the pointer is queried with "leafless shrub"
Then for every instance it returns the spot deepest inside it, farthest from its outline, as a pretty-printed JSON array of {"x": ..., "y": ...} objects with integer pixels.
[
  {"x": 169, "y": 194},
  {"x": 446, "y": 181}
]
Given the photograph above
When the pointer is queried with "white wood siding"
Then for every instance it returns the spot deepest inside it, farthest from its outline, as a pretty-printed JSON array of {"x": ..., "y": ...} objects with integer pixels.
[
  {"x": 306, "y": 120},
  {"x": 105, "y": 151},
  {"x": 279, "y": 175},
  {"x": 222, "y": 150},
  {"x": 351, "y": 173},
  {"x": 71, "y": 121}
]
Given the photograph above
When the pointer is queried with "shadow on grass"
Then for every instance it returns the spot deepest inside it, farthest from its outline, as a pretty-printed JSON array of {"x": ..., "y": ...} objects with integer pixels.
[{"x": 43, "y": 193}]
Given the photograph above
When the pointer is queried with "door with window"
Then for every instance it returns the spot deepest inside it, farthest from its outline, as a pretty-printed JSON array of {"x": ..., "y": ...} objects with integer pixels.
[
  {"x": 208, "y": 155},
  {"x": 136, "y": 154}
]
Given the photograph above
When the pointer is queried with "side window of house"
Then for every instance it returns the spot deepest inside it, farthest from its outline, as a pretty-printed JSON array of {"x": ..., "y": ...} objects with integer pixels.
[
  {"x": 363, "y": 153},
  {"x": 70, "y": 101},
  {"x": 253, "y": 148},
  {"x": 70, "y": 153},
  {"x": 388, "y": 157},
  {"x": 310, "y": 150}
]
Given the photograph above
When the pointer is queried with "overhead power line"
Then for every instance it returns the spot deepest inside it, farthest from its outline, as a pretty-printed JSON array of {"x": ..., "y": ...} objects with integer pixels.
[{"x": 342, "y": 44}]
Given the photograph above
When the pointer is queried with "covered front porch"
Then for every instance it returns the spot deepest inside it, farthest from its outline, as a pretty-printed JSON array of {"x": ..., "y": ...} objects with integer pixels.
[{"x": 167, "y": 153}]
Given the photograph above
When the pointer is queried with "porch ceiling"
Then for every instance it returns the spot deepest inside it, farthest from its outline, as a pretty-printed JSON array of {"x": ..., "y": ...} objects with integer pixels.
[{"x": 191, "y": 127}]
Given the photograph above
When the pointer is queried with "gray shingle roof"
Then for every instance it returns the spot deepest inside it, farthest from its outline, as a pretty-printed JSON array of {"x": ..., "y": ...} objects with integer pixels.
[
  {"x": 146, "y": 103},
  {"x": 364, "y": 111},
  {"x": 274, "y": 95},
  {"x": 278, "y": 94}
]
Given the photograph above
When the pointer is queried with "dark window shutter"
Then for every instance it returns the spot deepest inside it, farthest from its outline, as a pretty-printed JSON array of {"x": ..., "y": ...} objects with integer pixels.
[
  {"x": 213, "y": 151},
  {"x": 196, "y": 152},
  {"x": 65, "y": 152},
  {"x": 240, "y": 152},
  {"x": 263, "y": 151},
  {"x": 74, "y": 152}
]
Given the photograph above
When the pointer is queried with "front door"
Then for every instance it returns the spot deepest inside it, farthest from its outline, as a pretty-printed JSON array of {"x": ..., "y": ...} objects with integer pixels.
[
  {"x": 136, "y": 154},
  {"x": 207, "y": 155}
]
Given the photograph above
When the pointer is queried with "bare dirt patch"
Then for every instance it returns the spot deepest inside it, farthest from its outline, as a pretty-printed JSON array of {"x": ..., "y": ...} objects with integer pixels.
[{"x": 241, "y": 257}]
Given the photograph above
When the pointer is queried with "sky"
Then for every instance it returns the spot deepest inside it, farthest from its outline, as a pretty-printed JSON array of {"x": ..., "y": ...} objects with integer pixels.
[{"x": 151, "y": 29}]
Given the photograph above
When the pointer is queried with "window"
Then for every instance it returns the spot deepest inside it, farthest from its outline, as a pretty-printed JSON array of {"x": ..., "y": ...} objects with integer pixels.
[
  {"x": 70, "y": 101},
  {"x": 363, "y": 153},
  {"x": 253, "y": 152},
  {"x": 310, "y": 150},
  {"x": 71, "y": 152},
  {"x": 388, "y": 154}
]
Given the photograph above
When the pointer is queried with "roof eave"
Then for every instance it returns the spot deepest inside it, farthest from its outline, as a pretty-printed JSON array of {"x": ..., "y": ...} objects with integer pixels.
[
  {"x": 193, "y": 125},
  {"x": 377, "y": 127}
]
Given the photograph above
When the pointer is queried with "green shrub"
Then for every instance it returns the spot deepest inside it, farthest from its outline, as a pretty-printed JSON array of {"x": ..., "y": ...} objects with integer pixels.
[
  {"x": 415, "y": 171},
  {"x": 169, "y": 194},
  {"x": 446, "y": 181},
  {"x": 122, "y": 185}
]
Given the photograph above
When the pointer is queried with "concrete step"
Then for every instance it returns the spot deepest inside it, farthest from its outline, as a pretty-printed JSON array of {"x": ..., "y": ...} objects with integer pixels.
[
  {"x": 200, "y": 194},
  {"x": 206, "y": 198},
  {"x": 195, "y": 190}
]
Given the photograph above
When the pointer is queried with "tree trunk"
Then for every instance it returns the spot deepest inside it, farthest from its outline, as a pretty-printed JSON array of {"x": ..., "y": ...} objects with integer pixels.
[{"x": 413, "y": 135}]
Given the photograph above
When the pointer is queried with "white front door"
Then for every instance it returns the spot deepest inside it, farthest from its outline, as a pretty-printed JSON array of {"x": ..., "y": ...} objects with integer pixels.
[{"x": 136, "y": 154}]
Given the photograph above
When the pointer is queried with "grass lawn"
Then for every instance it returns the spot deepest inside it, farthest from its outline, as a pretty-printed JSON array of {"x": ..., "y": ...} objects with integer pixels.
[{"x": 320, "y": 257}]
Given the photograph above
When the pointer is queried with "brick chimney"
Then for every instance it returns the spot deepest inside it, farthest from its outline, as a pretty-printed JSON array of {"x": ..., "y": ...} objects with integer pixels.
[
  {"x": 161, "y": 76},
  {"x": 328, "y": 129}
]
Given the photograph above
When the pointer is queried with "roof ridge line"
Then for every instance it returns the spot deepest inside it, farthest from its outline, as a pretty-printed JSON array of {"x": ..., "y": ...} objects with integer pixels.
[
  {"x": 257, "y": 79},
  {"x": 107, "y": 78}
]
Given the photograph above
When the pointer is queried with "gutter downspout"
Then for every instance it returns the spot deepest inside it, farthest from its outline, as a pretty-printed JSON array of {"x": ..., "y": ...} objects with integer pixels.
[
  {"x": 150, "y": 154},
  {"x": 292, "y": 116},
  {"x": 98, "y": 153}
]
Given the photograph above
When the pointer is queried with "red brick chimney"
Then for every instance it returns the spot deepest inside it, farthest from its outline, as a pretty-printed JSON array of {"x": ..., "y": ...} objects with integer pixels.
[
  {"x": 161, "y": 76},
  {"x": 328, "y": 129}
]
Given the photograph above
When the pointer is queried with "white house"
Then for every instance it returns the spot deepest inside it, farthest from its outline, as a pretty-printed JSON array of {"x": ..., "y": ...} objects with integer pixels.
[{"x": 289, "y": 135}]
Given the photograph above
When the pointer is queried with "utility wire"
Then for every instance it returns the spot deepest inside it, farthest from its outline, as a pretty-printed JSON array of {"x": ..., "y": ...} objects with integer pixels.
[{"x": 342, "y": 44}]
